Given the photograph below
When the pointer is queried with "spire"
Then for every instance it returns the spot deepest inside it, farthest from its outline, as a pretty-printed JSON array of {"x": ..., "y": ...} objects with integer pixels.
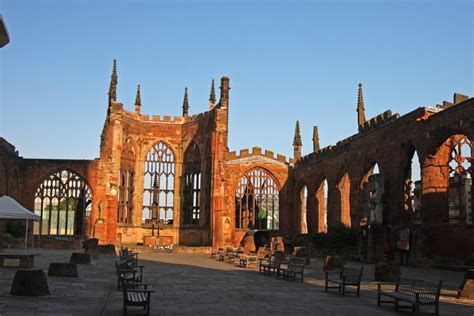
[
  {"x": 185, "y": 103},
  {"x": 113, "y": 83},
  {"x": 212, "y": 96},
  {"x": 138, "y": 101},
  {"x": 297, "y": 143},
  {"x": 360, "y": 108},
  {"x": 315, "y": 139}
]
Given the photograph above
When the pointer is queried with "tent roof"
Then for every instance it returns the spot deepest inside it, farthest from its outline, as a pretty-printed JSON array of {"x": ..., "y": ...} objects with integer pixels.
[{"x": 11, "y": 209}]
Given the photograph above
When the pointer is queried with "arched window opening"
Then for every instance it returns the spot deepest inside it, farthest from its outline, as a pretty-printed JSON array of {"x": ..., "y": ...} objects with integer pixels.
[
  {"x": 322, "y": 204},
  {"x": 62, "y": 201},
  {"x": 192, "y": 185},
  {"x": 412, "y": 190},
  {"x": 126, "y": 184},
  {"x": 373, "y": 186},
  {"x": 158, "y": 193},
  {"x": 344, "y": 189},
  {"x": 304, "y": 210},
  {"x": 257, "y": 201},
  {"x": 460, "y": 179}
]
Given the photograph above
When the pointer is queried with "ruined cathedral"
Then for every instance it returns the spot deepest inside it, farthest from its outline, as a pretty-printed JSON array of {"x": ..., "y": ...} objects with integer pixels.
[{"x": 174, "y": 181}]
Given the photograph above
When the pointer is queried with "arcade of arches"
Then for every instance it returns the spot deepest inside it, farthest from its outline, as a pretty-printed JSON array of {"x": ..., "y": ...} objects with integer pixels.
[{"x": 176, "y": 179}]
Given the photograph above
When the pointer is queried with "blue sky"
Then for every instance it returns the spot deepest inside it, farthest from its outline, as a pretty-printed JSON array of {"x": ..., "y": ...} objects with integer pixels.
[{"x": 287, "y": 61}]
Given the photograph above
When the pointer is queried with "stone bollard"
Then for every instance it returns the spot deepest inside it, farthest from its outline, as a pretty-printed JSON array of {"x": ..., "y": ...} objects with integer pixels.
[
  {"x": 387, "y": 271},
  {"x": 80, "y": 258},
  {"x": 91, "y": 246},
  {"x": 63, "y": 269},
  {"x": 30, "y": 283}
]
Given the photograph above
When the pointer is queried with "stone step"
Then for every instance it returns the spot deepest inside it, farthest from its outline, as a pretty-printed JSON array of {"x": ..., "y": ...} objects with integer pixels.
[
  {"x": 189, "y": 249},
  {"x": 176, "y": 249}
]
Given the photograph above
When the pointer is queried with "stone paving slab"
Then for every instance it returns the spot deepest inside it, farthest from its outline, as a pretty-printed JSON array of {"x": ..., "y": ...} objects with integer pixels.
[{"x": 194, "y": 284}]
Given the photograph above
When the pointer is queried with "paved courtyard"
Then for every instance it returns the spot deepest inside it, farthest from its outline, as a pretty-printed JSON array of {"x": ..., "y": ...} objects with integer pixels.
[{"x": 194, "y": 284}]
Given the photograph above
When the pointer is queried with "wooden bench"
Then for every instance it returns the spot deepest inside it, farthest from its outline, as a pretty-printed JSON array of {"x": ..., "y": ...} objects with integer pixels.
[
  {"x": 235, "y": 255},
  {"x": 220, "y": 254},
  {"x": 128, "y": 255},
  {"x": 271, "y": 265},
  {"x": 414, "y": 291},
  {"x": 249, "y": 260},
  {"x": 347, "y": 277},
  {"x": 136, "y": 294},
  {"x": 127, "y": 273},
  {"x": 214, "y": 254},
  {"x": 295, "y": 267}
]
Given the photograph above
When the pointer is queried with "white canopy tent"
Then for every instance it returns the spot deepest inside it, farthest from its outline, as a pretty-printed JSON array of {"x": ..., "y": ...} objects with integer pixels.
[{"x": 11, "y": 209}]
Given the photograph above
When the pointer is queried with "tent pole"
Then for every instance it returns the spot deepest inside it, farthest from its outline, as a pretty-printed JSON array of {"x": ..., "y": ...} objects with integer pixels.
[{"x": 26, "y": 235}]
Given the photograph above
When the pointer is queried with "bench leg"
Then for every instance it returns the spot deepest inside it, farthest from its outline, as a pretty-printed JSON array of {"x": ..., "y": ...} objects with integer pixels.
[
  {"x": 417, "y": 308},
  {"x": 437, "y": 308},
  {"x": 326, "y": 289},
  {"x": 396, "y": 304},
  {"x": 358, "y": 290},
  {"x": 343, "y": 289}
]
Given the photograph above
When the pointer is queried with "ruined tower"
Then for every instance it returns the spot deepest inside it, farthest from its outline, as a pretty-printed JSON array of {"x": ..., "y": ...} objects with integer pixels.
[{"x": 138, "y": 101}]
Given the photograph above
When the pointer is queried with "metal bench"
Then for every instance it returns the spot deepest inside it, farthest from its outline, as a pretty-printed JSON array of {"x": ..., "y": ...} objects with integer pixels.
[
  {"x": 127, "y": 273},
  {"x": 347, "y": 277},
  {"x": 295, "y": 267},
  {"x": 416, "y": 292}
]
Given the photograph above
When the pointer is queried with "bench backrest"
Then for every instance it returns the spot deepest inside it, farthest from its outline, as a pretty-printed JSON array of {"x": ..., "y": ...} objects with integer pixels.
[
  {"x": 263, "y": 252},
  {"x": 429, "y": 290},
  {"x": 121, "y": 265},
  {"x": 352, "y": 274},
  {"x": 297, "y": 263}
]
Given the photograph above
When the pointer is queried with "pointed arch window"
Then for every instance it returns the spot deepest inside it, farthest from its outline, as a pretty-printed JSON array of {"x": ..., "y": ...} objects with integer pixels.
[
  {"x": 460, "y": 179},
  {"x": 158, "y": 193},
  {"x": 126, "y": 184},
  {"x": 62, "y": 201},
  {"x": 192, "y": 185},
  {"x": 257, "y": 201}
]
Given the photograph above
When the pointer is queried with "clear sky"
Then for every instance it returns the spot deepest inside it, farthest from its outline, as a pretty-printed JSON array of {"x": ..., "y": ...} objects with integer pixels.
[{"x": 287, "y": 61}]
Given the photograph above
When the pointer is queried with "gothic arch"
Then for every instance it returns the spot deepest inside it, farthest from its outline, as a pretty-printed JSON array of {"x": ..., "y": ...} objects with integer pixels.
[
  {"x": 447, "y": 174},
  {"x": 257, "y": 200},
  {"x": 127, "y": 178},
  {"x": 161, "y": 141},
  {"x": 343, "y": 188},
  {"x": 62, "y": 199},
  {"x": 159, "y": 184},
  {"x": 191, "y": 185},
  {"x": 303, "y": 219},
  {"x": 411, "y": 186},
  {"x": 322, "y": 196}
]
